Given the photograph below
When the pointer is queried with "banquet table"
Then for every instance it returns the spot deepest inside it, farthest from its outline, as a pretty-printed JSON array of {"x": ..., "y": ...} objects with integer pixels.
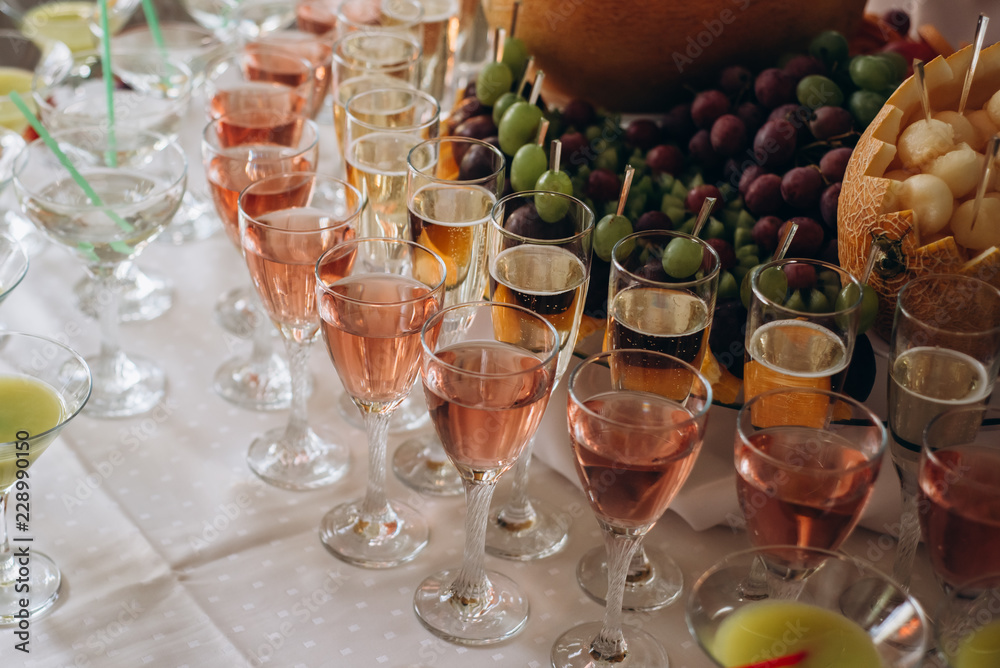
[{"x": 175, "y": 555}]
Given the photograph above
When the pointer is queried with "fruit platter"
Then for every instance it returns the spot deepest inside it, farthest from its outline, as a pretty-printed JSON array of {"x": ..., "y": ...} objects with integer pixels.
[{"x": 827, "y": 138}]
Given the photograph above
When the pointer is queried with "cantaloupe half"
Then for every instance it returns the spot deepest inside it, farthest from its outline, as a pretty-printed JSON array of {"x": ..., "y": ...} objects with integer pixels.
[{"x": 870, "y": 208}]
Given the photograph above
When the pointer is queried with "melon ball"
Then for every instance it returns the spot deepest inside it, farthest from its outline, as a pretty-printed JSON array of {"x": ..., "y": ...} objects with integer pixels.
[
  {"x": 992, "y": 108},
  {"x": 960, "y": 169},
  {"x": 898, "y": 174},
  {"x": 964, "y": 132},
  {"x": 930, "y": 199},
  {"x": 924, "y": 140},
  {"x": 986, "y": 232},
  {"x": 984, "y": 127}
]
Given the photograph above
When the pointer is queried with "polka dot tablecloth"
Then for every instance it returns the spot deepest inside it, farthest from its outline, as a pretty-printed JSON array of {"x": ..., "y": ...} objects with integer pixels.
[{"x": 174, "y": 555}]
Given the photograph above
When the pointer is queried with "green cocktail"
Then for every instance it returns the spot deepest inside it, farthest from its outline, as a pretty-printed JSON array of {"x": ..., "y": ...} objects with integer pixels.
[{"x": 28, "y": 408}]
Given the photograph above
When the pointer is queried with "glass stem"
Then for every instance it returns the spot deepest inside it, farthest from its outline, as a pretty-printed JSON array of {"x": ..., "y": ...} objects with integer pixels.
[
  {"x": 909, "y": 537},
  {"x": 472, "y": 591},
  {"x": 640, "y": 568},
  {"x": 297, "y": 430},
  {"x": 8, "y": 570},
  {"x": 375, "y": 508},
  {"x": 518, "y": 514},
  {"x": 609, "y": 645},
  {"x": 108, "y": 295},
  {"x": 260, "y": 337}
]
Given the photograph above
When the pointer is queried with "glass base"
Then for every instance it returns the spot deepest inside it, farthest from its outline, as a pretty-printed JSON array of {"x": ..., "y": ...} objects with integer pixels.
[
  {"x": 256, "y": 386},
  {"x": 542, "y": 536},
  {"x": 421, "y": 464},
  {"x": 124, "y": 387},
  {"x": 572, "y": 649},
  {"x": 237, "y": 311},
  {"x": 371, "y": 545},
  {"x": 657, "y": 587},
  {"x": 316, "y": 465},
  {"x": 195, "y": 220},
  {"x": 43, "y": 587},
  {"x": 17, "y": 226},
  {"x": 410, "y": 415},
  {"x": 143, "y": 296},
  {"x": 502, "y": 617}
]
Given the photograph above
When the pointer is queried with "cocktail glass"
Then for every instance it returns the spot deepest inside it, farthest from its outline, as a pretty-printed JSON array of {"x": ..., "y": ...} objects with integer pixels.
[
  {"x": 13, "y": 265},
  {"x": 968, "y": 625},
  {"x": 486, "y": 388},
  {"x": 43, "y": 385},
  {"x": 135, "y": 182},
  {"x": 287, "y": 221},
  {"x": 845, "y": 613},
  {"x": 545, "y": 267},
  {"x": 448, "y": 212},
  {"x": 212, "y": 15},
  {"x": 237, "y": 150},
  {"x": 75, "y": 24},
  {"x": 944, "y": 353},
  {"x": 637, "y": 420},
  {"x": 374, "y": 296}
]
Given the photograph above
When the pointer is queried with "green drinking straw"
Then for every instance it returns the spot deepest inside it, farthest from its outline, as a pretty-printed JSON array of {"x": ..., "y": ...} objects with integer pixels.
[
  {"x": 109, "y": 86},
  {"x": 154, "y": 26},
  {"x": 91, "y": 194}
]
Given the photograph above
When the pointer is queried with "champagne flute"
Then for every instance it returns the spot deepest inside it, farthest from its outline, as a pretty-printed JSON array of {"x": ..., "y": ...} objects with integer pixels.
[
  {"x": 944, "y": 353},
  {"x": 539, "y": 250},
  {"x": 959, "y": 492},
  {"x": 488, "y": 371},
  {"x": 637, "y": 420},
  {"x": 135, "y": 185},
  {"x": 374, "y": 296},
  {"x": 238, "y": 149},
  {"x": 668, "y": 313},
  {"x": 43, "y": 385},
  {"x": 448, "y": 212},
  {"x": 264, "y": 77},
  {"x": 286, "y": 222}
]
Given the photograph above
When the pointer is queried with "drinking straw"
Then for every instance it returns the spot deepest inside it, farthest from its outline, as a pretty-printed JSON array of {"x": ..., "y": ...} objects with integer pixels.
[
  {"x": 109, "y": 86},
  {"x": 91, "y": 194},
  {"x": 154, "y": 26}
]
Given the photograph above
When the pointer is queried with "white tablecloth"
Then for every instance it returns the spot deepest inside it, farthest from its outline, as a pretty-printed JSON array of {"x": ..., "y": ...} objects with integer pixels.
[{"x": 174, "y": 554}]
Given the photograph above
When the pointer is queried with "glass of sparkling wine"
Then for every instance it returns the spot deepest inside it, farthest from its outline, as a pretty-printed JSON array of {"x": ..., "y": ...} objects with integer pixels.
[
  {"x": 968, "y": 625},
  {"x": 846, "y": 613},
  {"x": 449, "y": 209},
  {"x": 238, "y": 149},
  {"x": 637, "y": 420},
  {"x": 668, "y": 313},
  {"x": 264, "y": 77},
  {"x": 539, "y": 248},
  {"x": 43, "y": 385},
  {"x": 135, "y": 182},
  {"x": 287, "y": 221},
  {"x": 486, "y": 390},
  {"x": 375, "y": 295},
  {"x": 803, "y": 478},
  {"x": 944, "y": 353},
  {"x": 959, "y": 492},
  {"x": 317, "y": 16}
]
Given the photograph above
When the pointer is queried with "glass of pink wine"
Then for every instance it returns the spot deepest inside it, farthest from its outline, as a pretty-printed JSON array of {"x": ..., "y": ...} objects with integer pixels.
[
  {"x": 488, "y": 371},
  {"x": 375, "y": 294},
  {"x": 637, "y": 421},
  {"x": 959, "y": 495},
  {"x": 287, "y": 221},
  {"x": 43, "y": 385}
]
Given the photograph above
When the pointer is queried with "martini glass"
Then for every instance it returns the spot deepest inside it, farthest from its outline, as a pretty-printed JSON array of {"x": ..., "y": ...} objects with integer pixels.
[
  {"x": 43, "y": 385},
  {"x": 13, "y": 265},
  {"x": 287, "y": 221},
  {"x": 76, "y": 24},
  {"x": 488, "y": 371},
  {"x": 135, "y": 183},
  {"x": 542, "y": 264},
  {"x": 374, "y": 296},
  {"x": 637, "y": 420}
]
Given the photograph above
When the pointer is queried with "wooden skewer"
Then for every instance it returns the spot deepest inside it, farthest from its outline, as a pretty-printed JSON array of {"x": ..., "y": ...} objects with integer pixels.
[
  {"x": 536, "y": 87},
  {"x": 703, "y": 215},
  {"x": 623, "y": 195},
  {"x": 786, "y": 241},
  {"x": 925, "y": 100},
  {"x": 992, "y": 148},
  {"x": 980, "y": 37},
  {"x": 555, "y": 154}
]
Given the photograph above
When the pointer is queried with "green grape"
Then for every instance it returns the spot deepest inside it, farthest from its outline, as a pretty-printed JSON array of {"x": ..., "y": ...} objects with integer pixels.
[
  {"x": 528, "y": 164},
  {"x": 796, "y": 302},
  {"x": 682, "y": 257},
  {"x": 869, "y": 304},
  {"x": 872, "y": 73},
  {"x": 515, "y": 56},
  {"x": 897, "y": 62},
  {"x": 609, "y": 231},
  {"x": 494, "y": 80},
  {"x": 816, "y": 90},
  {"x": 864, "y": 105},
  {"x": 772, "y": 284},
  {"x": 503, "y": 103},
  {"x": 818, "y": 303},
  {"x": 830, "y": 47},
  {"x": 727, "y": 286},
  {"x": 551, "y": 208},
  {"x": 518, "y": 126}
]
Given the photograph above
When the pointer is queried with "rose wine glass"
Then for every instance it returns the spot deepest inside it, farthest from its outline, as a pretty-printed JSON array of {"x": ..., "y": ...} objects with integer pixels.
[
  {"x": 238, "y": 149},
  {"x": 637, "y": 420},
  {"x": 375, "y": 295},
  {"x": 539, "y": 254},
  {"x": 488, "y": 371},
  {"x": 286, "y": 222},
  {"x": 134, "y": 185},
  {"x": 43, "y": 385},
  {"x": 959, "y": 492},
  {"x": 944, "y": 353},
  {"x": 448, "y": 210}
]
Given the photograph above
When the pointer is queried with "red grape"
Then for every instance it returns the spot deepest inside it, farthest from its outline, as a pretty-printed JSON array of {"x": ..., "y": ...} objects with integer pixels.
[
  {"x": 834, "y": 163},
  {"x": 899, "y": 20},
  {"x": 574, "y": 149},
  {"x": 653, "y": 271},
  {"x": 653, "y": 220},
  {"x": 735, "y": 79},
  {"x": 665, "y": 158},
  {"x": 753, "y": 116},
  {"x": 912, "y": 49},
  {"x": 801, "y": 187},
  {"x": 799, "y": 275},
  {"x": 477, "y": 163},
  {"x": 700, "y": 148},
  {"x": 774, "y": 143},
  {"x": 728, "y": 135},
  {"x": 808, "y": 239},
  {"x": 642, "y": 133},
  {"x": 774, "y": 87},
  {"x": 803, "y": 65},
  {"x": 795, "y": 114},
  {"x": 696, "y": 197},
  {"x": 579, "y": 113},
  {"x": 677, "y": 123},
  {"x": 466, "y": 109},
  {"x": 828, "y": 121},
  {"x": 727, "y": 256},
  {"x": 749, "y": 174},
  {"x": 602, "y": 185},
  {"x": 765, "y": 232},
  {"x": 764, "y": 195},
  {"x": 477, "y": 127},
  {"x": 707, "y": 106},
  {"x": 828, "y": 205}
]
